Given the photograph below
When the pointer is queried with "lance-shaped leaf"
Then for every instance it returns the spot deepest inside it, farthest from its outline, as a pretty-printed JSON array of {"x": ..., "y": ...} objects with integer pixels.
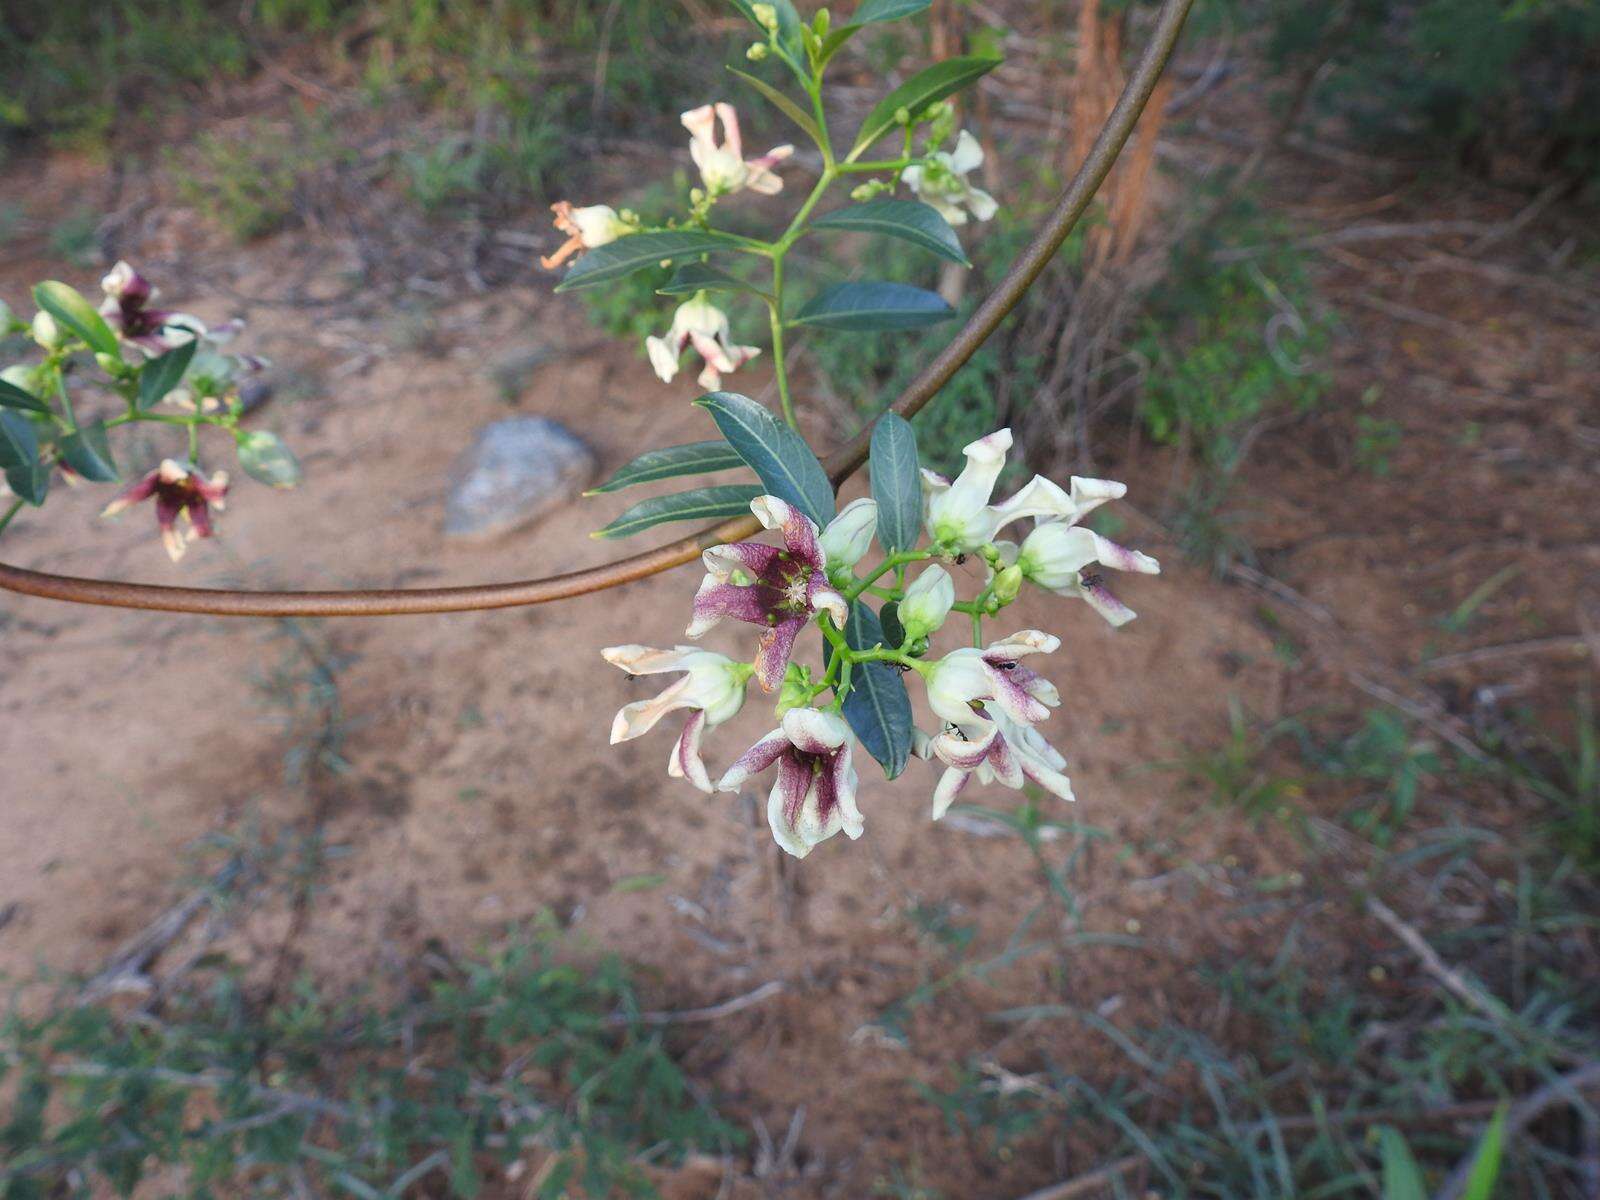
[
  {"x": 783, "y": 104},
  {"x": 30, "y": 482},
  {"x": 76, "y": 315},
  {"x": 19, "y": 444},
  {"x": 871, "y": 12},
  {"x": 700, "y": 504},
  {"x": 267, "y": 460},
  {"x": 909, "y": 220},
  {"x": 11, "y": 396},
  {"x": 777, "y": 454},
  {"x": 916, "y": 94},
  {"x": 160, "y": 375},
  {"x": 865, "y": 307},
  {"x": 878, "y": 707},
  {"x": 896, "y": 483},
  {"x": 637, "y": 251},
  {"x": 88, "y": 453},
  {"x": 695, "y": 458},
  {"x": 694, "y": 277}
]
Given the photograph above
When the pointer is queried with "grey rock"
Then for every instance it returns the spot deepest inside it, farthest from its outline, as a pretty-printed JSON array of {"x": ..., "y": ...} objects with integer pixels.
[
  {"x": 253, "y": 393},
  {"x": 515, "y": 471}
]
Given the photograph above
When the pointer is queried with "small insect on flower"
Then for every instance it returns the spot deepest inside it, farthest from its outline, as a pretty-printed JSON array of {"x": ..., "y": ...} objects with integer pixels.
[
  {"x": 724, "y": 168},
  {"x": 127, "y": 310},
  {"x": 184, "y": 500},
  {"x": 586, "y": 228}
]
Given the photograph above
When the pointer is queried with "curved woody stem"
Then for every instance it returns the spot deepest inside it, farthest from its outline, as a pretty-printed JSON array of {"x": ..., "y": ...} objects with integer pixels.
[{"x": 1069, "y": 209}]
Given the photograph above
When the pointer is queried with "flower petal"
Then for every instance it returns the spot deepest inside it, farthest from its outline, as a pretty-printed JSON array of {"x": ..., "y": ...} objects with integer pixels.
[
  {"x": 951, "y": 784},
  {"x": 638, "y": 718},
  {"x": 799, "y": 533},
  {"x": 772, "y": 653},
  {"x": 753, "y": 761},
  {"x": 815, "y": 731},
  {"x": 686, "y": 762}
]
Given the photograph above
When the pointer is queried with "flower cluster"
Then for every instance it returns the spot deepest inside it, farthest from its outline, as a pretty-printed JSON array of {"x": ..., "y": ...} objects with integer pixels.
[{"x": 989, "y": 703}]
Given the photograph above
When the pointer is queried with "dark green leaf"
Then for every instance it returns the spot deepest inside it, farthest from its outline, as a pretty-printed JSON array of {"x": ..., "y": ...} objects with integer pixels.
[
  {"x": 30, "y": 482},
  {"x": 789, "y": 40},
  {"x": 700, "y": 504},
  {"x": 894, "y": 633},
  {"x": 11, "y": 396},
  {"x": 160, "y": 375},
  {"x": 694, "y": 277},
  {"x": 695, "y": 458},
  {"x": 640, "y": 250},
  {"x": 863, "y": 307},
  {"x": 923, "y": 89},
  {"x": 267, "y": 460},
  {"x": 19, "y": 444},
  {"x": 88, "y": 453},
  {"x": 878, "y": 707},
  {"x": 76, "y": 315},
  {"x": 778, "y": 455},
  {"x": 896, "y": 483},
  {"x": 909, "y": 220},
  {"x": 783, "y": 104}
]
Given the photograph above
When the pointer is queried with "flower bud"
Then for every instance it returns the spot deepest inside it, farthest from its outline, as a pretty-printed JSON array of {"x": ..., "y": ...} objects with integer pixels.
[
  {"x": 902, "y": 115},
  {"x": 766, "y": 16},
  {"x": 1007, "y": 584},
  {"x": 848, "y": 536},
  {"x": 822, "y": 22},
  {"x": 46, "y": 332},
  {"x": 927, "y": 603},
  {"x": 796, "y": 689},
  {"x": 110, "y": 364},
  {"x": 757, "y": 52}
]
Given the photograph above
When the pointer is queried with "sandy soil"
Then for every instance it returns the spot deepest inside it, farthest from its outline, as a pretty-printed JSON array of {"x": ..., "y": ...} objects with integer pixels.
[{"x": 480, "y": 791}]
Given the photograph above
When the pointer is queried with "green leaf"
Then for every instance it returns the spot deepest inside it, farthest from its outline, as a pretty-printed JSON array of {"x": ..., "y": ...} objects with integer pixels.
[
  {"x": 1402, "y": 1178},
  {"x": 160, "y": 375},
  {"x": 896, "y": 483},
  {"x": 30, "y": 482},
  {"x": 778, "y": 455},
  {"x": 695, "y": 458},
  {"x": 789, "y": 39},
  {"x": 19, "y": 444},
  {"x": 640, "y": 250},
  {"x": 894, "y": 633},
  {"x": 88, "y": 453},
  {"x": 783, "y": 104},
  {"x": 909, "y": 220},
  {"x": 72, "y": 312},
  {"x": 1486, "y": 1163},
  {"x": 922, "y": 90},
  {"x": 700, "y": 504},
  {"x": 878, "y": 707},
  {"x": 267, "y": 460},
  {"x": 872, "y": 11},
  {"x": 864, "y": 307},
  {"x": 694, "y": 277},
  {"x": 11, "y": 396}
]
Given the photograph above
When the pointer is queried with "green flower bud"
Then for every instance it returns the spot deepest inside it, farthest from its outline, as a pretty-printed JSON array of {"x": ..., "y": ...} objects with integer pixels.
[
  {"x": 822, "y": 22},
  {"x": 1007, "y": 584},
  {"x": 766, "y": 16},
  {"x": 46, "y": 332},
  {"x": 796, "y": 689},
  {"x": 111, "y": 365},
  {"x": 902, "y": 115},
  {"x": 757, "y": 52}
]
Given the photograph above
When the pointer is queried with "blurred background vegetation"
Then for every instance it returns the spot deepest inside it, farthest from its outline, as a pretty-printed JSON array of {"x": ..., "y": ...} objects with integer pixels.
[{"x": 1198, "y": 324}]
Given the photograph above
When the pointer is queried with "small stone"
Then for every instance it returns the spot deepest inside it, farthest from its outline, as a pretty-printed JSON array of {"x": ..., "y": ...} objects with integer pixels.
[
  {"x": 515, "y": 471},
  {"x": 253, "y": 393}
]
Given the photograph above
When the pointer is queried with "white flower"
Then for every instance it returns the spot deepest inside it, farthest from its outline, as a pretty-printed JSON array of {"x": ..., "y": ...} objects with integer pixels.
[
  {"x": 723, "y": 167},
  {"x": 814, "y": 796},
  {"x": 959, "y": 516},
  {"x": 702, "y": 324},
  {"x": 1006, "y": 752},
  {"x": 848, "y": 536},
  {"x": 1055, "y": 554},
  {"x": 940, "y": 182},
  {"x": 586, "y": 228},
  {"x": 927, "y": 602},
  {"x": 713, "y": 685},
  {"x": 964, "y": 683}
]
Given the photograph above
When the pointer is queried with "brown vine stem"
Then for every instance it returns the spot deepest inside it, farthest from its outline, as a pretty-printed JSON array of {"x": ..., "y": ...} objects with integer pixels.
[{"x": 1069, "y": 209}]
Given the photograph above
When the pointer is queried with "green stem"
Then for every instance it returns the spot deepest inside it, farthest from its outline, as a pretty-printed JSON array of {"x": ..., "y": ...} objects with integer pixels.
[
  {"x": 780, "y": 370},
  {"x": 893, "y": 562},
  {"x": 16, "y": 507},
  {"x": 884, "y": 164},
  {"x": 882, "y": 654},
  {"x": 66, "y": 401}
]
